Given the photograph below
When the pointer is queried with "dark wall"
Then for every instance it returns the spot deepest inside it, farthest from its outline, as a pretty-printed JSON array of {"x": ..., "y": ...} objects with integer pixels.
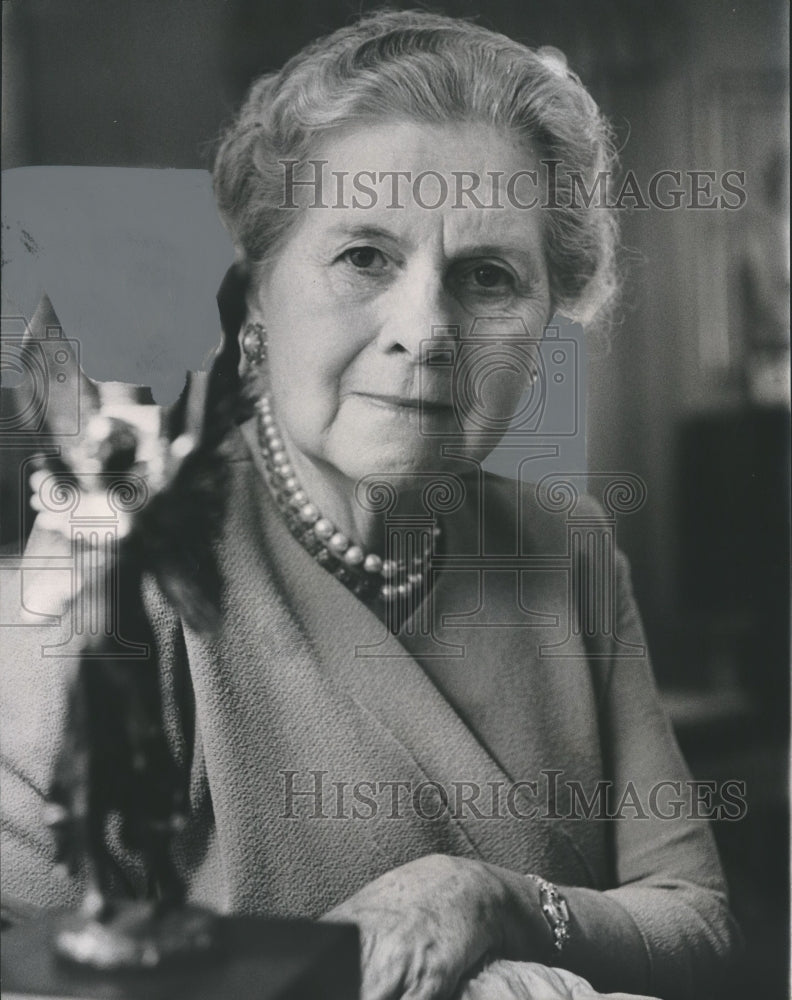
[{"x": 150, "y": 83}]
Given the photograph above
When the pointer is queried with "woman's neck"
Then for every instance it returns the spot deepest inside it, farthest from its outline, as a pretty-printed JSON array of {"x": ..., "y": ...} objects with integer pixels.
[{"x": 335, "y": 495}]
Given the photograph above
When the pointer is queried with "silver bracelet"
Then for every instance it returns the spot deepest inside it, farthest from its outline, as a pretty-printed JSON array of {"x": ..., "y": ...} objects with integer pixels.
[{"x": 555, "y": 909}]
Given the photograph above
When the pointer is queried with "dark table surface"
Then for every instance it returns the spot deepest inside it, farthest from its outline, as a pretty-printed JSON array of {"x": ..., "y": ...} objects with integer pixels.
[{"x": 258, "y": 959}]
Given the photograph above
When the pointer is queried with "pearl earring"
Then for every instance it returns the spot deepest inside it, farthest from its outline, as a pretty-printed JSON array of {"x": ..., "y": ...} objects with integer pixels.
[{"x": 254, "y": 344}]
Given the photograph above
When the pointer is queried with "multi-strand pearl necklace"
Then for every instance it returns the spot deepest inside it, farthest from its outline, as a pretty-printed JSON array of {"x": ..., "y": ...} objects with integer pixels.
[{"x": 367, "y": 575}]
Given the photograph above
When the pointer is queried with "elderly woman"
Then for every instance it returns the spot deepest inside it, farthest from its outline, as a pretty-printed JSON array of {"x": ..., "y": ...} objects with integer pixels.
[{"x": 399, "y": 722}]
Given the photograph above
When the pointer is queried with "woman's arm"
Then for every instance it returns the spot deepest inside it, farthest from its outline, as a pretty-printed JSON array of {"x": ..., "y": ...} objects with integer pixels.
[
  {"x": 430, "y": 929},
  {"x": 33, "y": 698},
  {"x": 604, "y": 946},
  {"x": 665, "y": 926},
  {"x": 38, "y": 663}
]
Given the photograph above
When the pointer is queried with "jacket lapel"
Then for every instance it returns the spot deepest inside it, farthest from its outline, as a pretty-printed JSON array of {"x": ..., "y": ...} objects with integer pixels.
[{"x": 413, "y": 733}]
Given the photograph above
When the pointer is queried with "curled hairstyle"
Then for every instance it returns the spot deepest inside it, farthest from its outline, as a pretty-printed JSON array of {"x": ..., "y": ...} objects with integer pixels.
[{"x": 426, "y": 68}]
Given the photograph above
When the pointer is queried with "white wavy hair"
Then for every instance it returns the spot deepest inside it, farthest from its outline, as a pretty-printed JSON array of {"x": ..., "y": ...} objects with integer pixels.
[{"x": 427, "y": 68}]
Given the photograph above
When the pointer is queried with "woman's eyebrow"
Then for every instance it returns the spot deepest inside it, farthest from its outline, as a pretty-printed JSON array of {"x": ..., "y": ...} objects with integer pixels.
[{"x": 361, "y": 232}]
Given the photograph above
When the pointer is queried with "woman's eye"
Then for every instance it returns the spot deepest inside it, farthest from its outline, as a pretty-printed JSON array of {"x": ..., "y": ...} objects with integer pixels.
[
  {"x": 366, "y": 258},
  {"x": 486, "y": 278},
  {"x": 489, "y": 276}
]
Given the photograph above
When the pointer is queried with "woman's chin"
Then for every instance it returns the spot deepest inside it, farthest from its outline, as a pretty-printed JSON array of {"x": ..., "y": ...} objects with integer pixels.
[
  {"x": 384, "y": 463},
  {"x": 364, "y": 458}
]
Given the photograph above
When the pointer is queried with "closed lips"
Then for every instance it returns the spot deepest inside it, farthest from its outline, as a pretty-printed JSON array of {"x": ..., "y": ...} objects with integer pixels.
[{"x": 409, "y": 403}]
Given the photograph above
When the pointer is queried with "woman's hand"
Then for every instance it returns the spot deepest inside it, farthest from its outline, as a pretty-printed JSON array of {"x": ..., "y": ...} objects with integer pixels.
[
  {"x": 502, "y": 980},
  {"x": 426, "y": 925}
]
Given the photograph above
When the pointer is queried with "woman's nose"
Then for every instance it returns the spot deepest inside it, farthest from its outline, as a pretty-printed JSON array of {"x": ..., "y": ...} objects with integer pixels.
[{"x": 415, "y": 307}]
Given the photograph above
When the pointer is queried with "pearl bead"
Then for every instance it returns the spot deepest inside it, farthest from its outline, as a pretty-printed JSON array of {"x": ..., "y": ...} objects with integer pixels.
[
  {"x": 327, "y": 545},
  {"x": 324, "y": 529},
  {"x": 353, "y": 555},
  {"x": 372, "y": 563},
  {"x": 309, "y": 513},
  {"x": 339, "y": 543}
]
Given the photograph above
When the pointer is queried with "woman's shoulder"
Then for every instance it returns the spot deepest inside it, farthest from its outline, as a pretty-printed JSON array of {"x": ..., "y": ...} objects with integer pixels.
[{"x": 541, "y": 513}]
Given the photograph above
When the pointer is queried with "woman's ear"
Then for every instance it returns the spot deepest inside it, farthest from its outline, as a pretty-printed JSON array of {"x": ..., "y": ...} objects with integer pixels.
[
  {"x": 253, "y": 348},
  {"x": 253, "y": 366},
  {"x": 253, "y": 334},
  {"x": 255, "y": 293},
  {"x": 252, "y": 337},
  {"x": 254, "y": 308}
]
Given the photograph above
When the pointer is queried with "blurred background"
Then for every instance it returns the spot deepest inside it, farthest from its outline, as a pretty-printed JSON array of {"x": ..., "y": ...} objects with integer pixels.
[{"x": 690, "y": 391}]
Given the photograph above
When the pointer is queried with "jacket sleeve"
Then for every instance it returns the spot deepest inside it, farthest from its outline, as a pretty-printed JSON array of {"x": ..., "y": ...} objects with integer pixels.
[
  {"x": 667, "y": 872},
  {"x": 38, "y": 658},
  {"x": 33, "y": 687}
]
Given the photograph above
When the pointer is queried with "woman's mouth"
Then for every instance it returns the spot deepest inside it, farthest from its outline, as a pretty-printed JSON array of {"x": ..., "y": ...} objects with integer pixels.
[{"x": 397, "y": 402}]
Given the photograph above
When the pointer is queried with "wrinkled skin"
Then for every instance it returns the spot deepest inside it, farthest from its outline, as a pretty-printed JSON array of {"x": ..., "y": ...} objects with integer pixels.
[
  {"x": 447, "y": 928},
  {"x": 427, "y": 925}
]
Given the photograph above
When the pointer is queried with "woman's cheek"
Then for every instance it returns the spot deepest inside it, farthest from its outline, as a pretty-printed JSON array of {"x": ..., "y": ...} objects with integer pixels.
[{"x": 538, "y": 315}]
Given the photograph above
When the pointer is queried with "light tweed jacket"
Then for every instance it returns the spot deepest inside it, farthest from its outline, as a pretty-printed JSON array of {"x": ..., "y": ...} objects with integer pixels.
[{"x": 303, "y": 691}]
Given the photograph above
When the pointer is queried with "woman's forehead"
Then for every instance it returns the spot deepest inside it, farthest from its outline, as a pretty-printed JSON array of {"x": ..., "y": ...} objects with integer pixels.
[{"x": 464, "y": 185}]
